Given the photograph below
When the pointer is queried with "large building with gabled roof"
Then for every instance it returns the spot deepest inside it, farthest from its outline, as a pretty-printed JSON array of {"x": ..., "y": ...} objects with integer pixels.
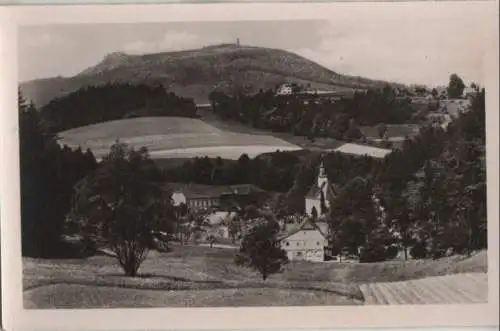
[
  {"x": 198, "y": 196},
  {"x": 306, "y": 241}
]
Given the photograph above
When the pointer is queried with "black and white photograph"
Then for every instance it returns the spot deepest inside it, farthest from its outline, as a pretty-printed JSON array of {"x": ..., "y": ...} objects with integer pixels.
[{"x": 337, "y": 161}]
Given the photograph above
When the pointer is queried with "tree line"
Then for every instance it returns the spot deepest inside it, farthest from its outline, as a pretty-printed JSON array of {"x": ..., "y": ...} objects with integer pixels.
[
  {"x": 48, "y": 173},
  {"x": 313, "y": 116},
  {"x": 95, "y": 104},
  {"x": 280, "y": 171}
]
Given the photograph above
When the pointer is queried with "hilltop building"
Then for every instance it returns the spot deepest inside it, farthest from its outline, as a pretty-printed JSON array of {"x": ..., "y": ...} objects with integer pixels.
[
  {"x": 322, "y": 191},
  {"x": 285, "y": 89}
]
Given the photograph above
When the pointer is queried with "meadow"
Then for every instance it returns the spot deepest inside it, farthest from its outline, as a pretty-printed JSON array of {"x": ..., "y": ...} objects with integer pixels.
[
  {"x": 199, "y": 276},
  {"x": 185, "y": 138},
  {"x": 173, "y": 137}
]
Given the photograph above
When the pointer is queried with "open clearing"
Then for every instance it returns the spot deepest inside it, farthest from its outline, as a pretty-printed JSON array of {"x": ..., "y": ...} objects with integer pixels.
[
  {"x": 197, "y": 276},
  {"x": 362, "y": 150},
  {"x": 172, "y": 137}
]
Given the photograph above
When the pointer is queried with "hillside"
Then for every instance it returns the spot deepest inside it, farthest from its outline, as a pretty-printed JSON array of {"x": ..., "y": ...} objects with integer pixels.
[
  {"x": 172, "y": 137},
  {"x": 195, "y": 73}
]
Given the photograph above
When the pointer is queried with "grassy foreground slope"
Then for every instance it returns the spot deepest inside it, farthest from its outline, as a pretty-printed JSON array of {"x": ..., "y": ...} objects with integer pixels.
[
  {"x": 201, "y": 276},
  {"x": 194, "y": 73}
]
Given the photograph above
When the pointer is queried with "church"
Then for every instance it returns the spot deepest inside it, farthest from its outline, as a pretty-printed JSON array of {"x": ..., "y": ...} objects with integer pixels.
[
  {"x": 308, "y": 240},
  {"x": 322, "y": 192}
]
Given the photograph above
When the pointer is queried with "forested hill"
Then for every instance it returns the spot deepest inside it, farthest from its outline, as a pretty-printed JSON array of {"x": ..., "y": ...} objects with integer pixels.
[
  {"x": 98, "y": 104},
  {"x": 195, "y": 73},
  {"x": 433, "y": 194},
  {"x": 310, "y": 115}
]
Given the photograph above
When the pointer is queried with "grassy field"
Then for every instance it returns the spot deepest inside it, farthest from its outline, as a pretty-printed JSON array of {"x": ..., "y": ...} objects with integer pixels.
[
  {"x": 185, "y": 138},
  {"x": 203, "y": 276},
  {"x": 237, "y": 127},
  {"x": 173, "y": 137},
  {"x": 358, "y": 149}
]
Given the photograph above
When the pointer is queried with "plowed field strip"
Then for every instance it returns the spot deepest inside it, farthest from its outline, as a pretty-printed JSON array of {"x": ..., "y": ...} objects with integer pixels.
[
  {"x": 476, "y": 286},
  {"x": 378, "y": 295},
  {"x": 467, "y": 289},
  {"x": 407, "y": 293},
  {"x": 426, "y": 294},
  {"x": 460, "y": 288},
  {"x": 370, "y": 297},
  {"x": 388, "y": 293},
  {"x": 480, "y": 279},
  {"x": 449, "y": 295}
]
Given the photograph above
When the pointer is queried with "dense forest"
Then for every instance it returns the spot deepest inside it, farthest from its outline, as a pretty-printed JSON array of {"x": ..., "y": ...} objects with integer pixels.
[
  {"x": 48, "y": 173},
  {"x": 314, "y": 116},
  {"x": 428, "y": 199},
  {"x": 96, "y": 104}
]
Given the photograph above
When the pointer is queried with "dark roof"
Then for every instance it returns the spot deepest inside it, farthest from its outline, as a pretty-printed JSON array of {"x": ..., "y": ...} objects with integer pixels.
[
  {"x": 200, "y": 191},
  {"x": 243, "y": 189},
  {"x": 306, "y": 225},
  {"x": 315, "y": 191}
]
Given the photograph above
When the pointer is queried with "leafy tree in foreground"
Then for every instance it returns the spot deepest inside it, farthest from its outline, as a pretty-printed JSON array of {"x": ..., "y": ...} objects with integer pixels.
[
  {"x": 121, "y": 205},
  {"x": 260, "y": 249}
]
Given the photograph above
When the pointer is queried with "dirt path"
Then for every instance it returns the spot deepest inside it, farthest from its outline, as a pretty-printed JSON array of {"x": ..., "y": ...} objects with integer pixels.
[{"x": 465, "y": 288}]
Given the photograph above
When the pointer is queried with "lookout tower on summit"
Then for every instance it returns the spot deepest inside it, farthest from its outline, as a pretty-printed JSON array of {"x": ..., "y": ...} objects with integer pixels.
[{"x": 237, "y": 42}]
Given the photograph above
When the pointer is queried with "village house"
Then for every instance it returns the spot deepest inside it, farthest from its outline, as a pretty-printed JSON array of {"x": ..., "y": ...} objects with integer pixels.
[
  {"x": 306, "y": 241},
  {"x": 321, "y": 191},
  {"x": 197, "y": 196},
  {"x": 285, "y": 89}
]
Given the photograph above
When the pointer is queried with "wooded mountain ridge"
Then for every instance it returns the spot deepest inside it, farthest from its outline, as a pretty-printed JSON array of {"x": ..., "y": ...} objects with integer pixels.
[{"x": 196, "y": 73}]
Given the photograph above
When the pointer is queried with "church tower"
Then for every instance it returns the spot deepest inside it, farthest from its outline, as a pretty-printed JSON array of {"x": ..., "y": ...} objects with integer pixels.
[{"x": 322, "y": 178}]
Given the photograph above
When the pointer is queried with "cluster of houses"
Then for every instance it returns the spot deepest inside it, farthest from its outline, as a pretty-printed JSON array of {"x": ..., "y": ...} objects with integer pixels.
[
  {"x": 306, "y": 93},
  {"x": 303, "y": 237}
]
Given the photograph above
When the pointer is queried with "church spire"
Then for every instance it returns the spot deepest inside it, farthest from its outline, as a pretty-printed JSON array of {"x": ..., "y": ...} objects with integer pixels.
[{"x": 322, "y": 177}]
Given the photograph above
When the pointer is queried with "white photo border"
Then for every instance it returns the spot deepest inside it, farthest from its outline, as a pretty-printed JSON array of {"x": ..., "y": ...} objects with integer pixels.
[{"x": 17, "y": 318}]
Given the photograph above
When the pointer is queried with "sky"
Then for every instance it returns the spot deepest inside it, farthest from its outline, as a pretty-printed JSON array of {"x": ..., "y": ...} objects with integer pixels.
[{"x": 408, "y": 50}]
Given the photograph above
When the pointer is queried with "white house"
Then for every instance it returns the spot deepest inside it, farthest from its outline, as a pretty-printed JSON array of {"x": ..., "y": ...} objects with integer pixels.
[
  {"x": 321, "y": 187},
  {"x": 178, "y": 198},
  {"x": 305, "y": 242},
  {"x": 285, "y": 89}
]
